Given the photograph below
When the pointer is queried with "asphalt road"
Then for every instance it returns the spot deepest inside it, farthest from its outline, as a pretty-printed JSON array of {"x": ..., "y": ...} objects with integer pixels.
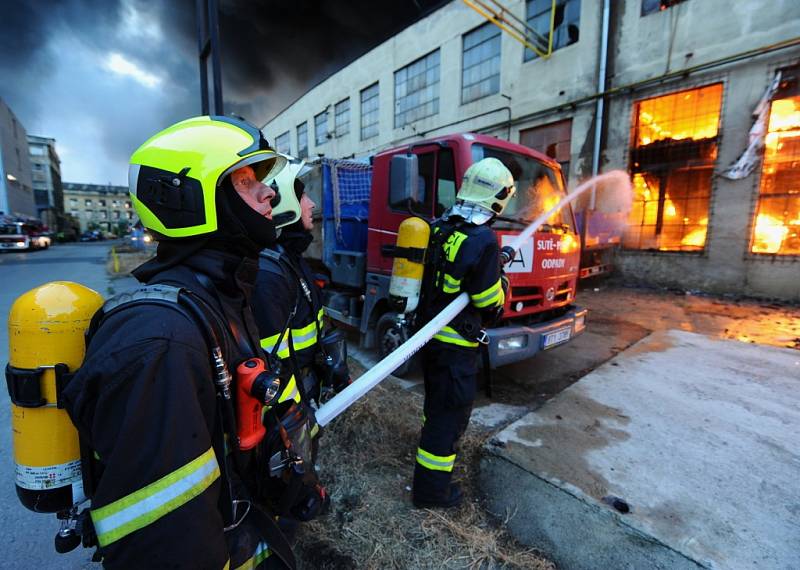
[{"x": 26, "y": 538}]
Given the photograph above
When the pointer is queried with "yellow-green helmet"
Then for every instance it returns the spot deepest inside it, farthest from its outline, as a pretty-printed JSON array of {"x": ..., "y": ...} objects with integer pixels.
[
  {"x": 174, "y": 176},
  {"x": 286, "y": 210},
  {"x": 488, "y": 184}
]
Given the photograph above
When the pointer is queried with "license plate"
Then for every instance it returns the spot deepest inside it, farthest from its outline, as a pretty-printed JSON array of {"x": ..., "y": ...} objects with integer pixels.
[{"x": 556, "y": 337}]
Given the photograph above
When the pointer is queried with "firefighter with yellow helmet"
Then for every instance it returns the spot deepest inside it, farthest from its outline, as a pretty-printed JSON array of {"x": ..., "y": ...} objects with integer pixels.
[
  {"x": 173, "y": 457},
  {"x": 463, "y": 256}
]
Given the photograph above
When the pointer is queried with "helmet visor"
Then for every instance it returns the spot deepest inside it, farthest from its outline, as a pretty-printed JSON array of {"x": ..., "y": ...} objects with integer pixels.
[{"x": 266, "y": 164}]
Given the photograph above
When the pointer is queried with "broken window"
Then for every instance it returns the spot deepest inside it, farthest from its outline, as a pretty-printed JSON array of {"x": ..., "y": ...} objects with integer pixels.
[
  {"x": 651, "y": 6},
  {"x": 777, "y": 224},
  {"x": 672, "y": 160},
  {"x": 566, "y": 23}
]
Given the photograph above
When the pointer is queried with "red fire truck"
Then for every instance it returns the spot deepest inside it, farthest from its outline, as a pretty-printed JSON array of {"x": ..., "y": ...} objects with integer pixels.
[{"x": 364, "y": 203}]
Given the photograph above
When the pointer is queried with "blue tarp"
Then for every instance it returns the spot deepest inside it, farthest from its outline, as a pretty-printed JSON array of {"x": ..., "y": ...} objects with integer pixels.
[{"x": 345, "y": 219}]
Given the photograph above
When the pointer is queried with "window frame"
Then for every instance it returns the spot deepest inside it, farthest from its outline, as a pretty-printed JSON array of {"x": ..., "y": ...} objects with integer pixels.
[
  {"x": 302, "y": 151},
  {"x": 664, "y": 5},
  {"x": 337, "y": 124},
  {"x": 287, "y": 136},
  {"x": 376, "y": 111},
  {"x": 759, "y": 194},
  {"x": 401, "y": 78},
  {"x": 431, "y": 192},
  {"x": 321, "y": 120},
  {"x": 631, "y": 146},
  {"x": 464, "y": 69},
  {"x": 530, "y": 55}
]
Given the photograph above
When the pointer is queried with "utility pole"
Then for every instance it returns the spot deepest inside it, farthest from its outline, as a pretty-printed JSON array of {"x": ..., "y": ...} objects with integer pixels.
[{"x": 208, "y": 46}]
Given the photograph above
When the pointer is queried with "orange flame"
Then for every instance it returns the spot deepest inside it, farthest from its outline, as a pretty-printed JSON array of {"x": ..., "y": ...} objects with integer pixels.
[
  {"x": 697, "y": 237},
  {"x": 698, "y": 120},
  {"x": 769, "y": 234}
]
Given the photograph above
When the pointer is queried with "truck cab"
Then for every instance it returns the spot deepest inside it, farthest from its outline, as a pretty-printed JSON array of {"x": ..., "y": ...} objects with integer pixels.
[
  {"x": 23, "y": 236},
  {"x": 539, "y": 312}
]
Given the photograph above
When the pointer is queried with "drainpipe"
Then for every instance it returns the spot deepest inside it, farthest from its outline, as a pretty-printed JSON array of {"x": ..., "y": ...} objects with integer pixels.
[
  {"x": 601, "y": 87},
  {"x": 598, "y": 122}
]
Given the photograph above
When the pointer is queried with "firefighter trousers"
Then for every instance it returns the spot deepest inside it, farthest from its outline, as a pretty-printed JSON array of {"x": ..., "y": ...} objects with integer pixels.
[{"x": 451, "y": 376}]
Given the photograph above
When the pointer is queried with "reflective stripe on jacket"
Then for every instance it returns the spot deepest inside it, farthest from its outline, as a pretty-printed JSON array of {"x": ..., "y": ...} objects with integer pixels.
[
  {"x": 145, "y": 403},
  {"x": 142, "y": 507}
]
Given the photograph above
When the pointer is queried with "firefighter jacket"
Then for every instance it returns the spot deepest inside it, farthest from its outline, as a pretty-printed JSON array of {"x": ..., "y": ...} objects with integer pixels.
[
  {"x": 145, "y": 402},
  {"x": 468, "y": 261},
  {"x": 286, "y": 282}
]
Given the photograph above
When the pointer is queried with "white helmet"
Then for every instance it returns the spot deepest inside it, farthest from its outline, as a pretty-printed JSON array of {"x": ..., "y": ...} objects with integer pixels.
[
  {"x": 286, "y": 209},
  {"x": 485, "y": 191}
]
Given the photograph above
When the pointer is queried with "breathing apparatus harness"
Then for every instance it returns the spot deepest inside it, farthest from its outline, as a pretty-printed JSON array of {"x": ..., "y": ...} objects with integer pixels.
[
  {"x": 332, "y": 355},
  {"x": 285, "y": 443},
  {"x": 469, "y": 323},
  {"x": 242, "y": 430}
]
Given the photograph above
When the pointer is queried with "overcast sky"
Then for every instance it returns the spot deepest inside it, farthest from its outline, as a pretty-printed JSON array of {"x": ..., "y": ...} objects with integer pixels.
[{"x": 101, "y": 76}]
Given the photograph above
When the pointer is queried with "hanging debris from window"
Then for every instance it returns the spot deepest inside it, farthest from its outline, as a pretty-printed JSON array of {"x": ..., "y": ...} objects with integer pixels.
[{"x": 748, "y": 161}]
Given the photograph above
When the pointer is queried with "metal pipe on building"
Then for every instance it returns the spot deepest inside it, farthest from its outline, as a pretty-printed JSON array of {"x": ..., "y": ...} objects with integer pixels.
[
  {"x": 601, "y": 87},
  {"x": 680, "y": 74},
  {"x": 599, "y": 119}
]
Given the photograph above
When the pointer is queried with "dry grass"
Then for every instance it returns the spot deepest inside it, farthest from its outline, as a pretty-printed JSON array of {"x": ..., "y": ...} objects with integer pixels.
[
  {"x": 366, "y": 462},
  {"x": 127, "y": 260}
]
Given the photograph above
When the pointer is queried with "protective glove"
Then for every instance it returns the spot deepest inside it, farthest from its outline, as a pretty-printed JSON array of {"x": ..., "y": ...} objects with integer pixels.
[{"x": 507, "y": 255}]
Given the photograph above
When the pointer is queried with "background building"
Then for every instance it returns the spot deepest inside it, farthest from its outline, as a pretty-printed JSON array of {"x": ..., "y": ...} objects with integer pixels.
[
  {"x": 674, "y": 106},
  {"x": 46, "y": 178},
  {"x": 16, "y": 188},
  {"x": 99, "y": 207}
]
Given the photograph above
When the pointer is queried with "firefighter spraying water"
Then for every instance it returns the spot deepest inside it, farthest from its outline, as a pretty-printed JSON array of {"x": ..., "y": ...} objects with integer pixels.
[{"x": 612, "y": 195}]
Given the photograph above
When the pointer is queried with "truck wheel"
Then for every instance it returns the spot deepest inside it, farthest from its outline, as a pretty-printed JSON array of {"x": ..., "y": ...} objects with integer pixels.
[{"x": 390, "y": 336}]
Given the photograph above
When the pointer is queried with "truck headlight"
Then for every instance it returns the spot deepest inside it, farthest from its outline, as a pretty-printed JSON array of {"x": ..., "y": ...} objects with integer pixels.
[
  {"x": 580, "y": 323},
  {"x": 512, "y": 343}
]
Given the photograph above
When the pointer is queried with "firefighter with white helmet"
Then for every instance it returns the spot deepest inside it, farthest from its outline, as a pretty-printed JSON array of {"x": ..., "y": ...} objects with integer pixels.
[
  {"x": 463, "y": 256},
  {"x": 288, "y": 305}
]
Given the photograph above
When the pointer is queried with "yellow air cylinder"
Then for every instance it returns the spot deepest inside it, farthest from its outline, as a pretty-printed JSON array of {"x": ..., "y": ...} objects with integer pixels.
[
  {"x": 409, "y": 266},
  {"x": 46, "y": 329}
]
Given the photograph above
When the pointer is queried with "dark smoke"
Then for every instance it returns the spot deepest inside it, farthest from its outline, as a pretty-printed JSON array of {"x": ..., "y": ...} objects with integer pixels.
[
  {"x": 302, "y": 42},
  {"x": 272, "y": 52}
]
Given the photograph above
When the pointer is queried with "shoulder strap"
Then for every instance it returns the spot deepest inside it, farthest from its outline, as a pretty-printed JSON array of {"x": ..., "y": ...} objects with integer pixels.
[
  {"x": 197, "y": 311},
  {"x": 165, "y": 295},
  {"x": 434, "y": 269}
]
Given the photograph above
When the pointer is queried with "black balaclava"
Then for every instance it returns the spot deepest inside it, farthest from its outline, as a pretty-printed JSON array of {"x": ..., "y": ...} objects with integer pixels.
[{"x": 241, "y": 231}]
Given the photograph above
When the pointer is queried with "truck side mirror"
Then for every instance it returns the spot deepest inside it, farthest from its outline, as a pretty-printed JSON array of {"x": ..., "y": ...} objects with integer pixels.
[{"x": 403, "y": 180}]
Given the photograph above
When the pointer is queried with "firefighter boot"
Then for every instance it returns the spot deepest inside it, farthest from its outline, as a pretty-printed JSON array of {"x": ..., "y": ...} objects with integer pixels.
[{"x": 454, "y": 498}]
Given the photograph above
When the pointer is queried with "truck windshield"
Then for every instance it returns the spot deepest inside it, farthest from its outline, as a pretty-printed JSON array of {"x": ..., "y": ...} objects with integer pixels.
[
  {"x": 539, "y": 187},
  {"x": 10, "y": 230}
]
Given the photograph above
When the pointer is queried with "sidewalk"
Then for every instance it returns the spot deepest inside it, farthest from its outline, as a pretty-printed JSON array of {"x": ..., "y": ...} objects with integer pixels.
[{"x": 681, "y": 452}]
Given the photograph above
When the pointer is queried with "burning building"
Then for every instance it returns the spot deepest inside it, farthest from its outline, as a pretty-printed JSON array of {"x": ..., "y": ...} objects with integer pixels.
[{"x": 697, "y": 99}]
